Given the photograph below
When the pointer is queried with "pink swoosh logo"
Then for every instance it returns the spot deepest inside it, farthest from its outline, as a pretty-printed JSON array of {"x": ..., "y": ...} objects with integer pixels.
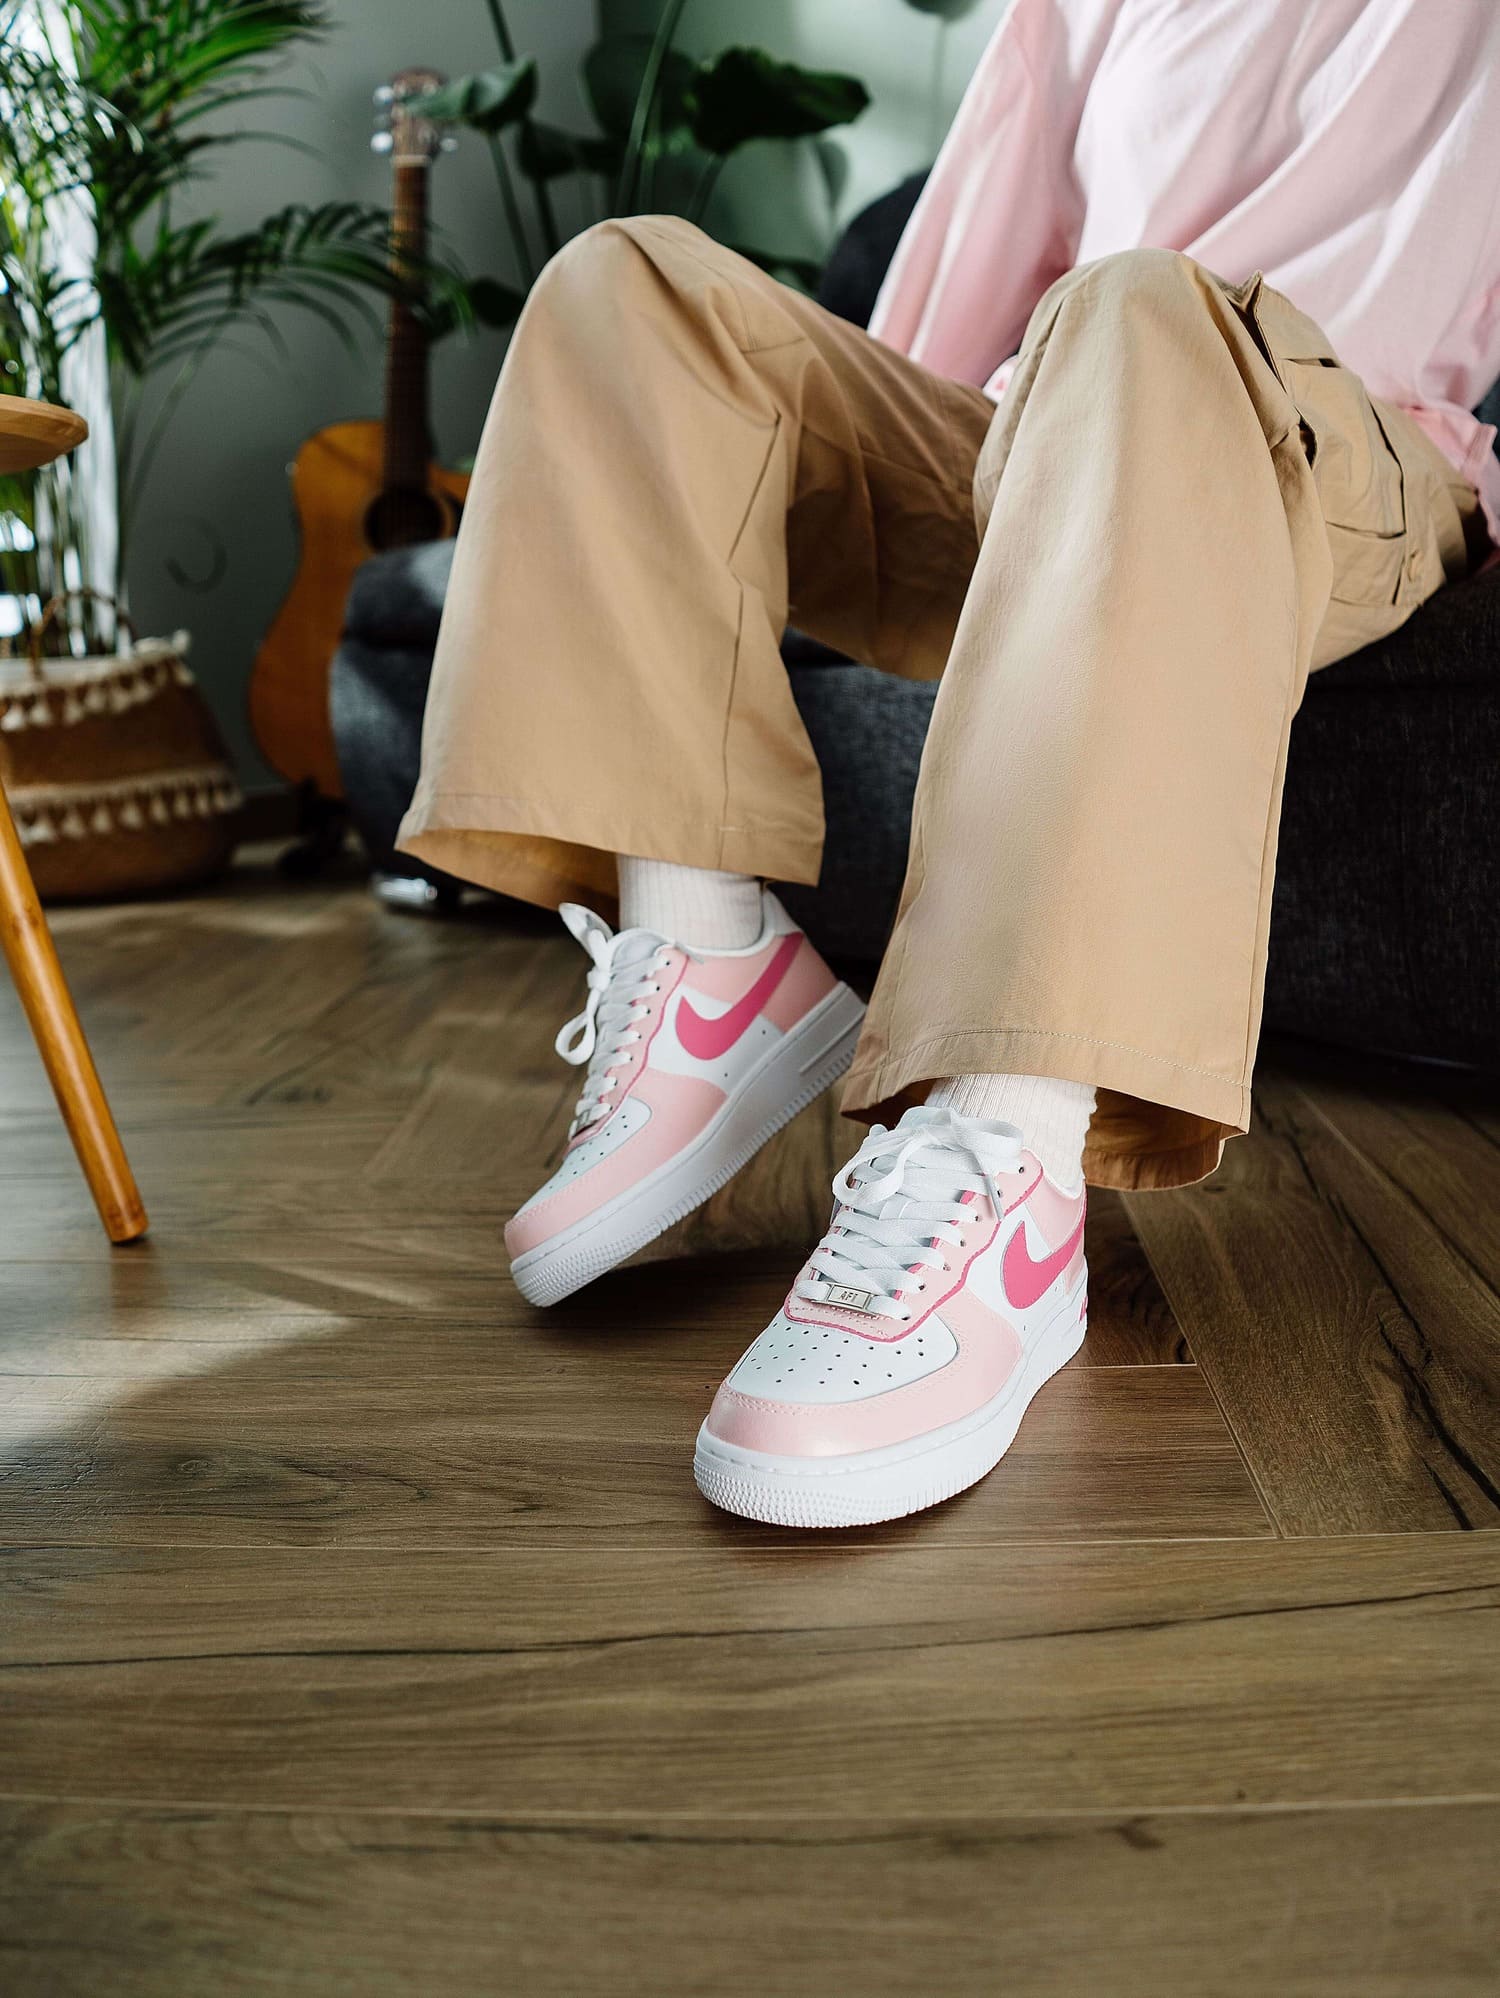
[
  {"x": 1025, "y": 1280},
  {"x": 707, "y": 1040}
]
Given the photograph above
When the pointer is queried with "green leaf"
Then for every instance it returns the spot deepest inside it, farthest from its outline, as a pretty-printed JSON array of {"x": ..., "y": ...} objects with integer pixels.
[
  {"x": 612, "y": 73},
  {"x": 494, "y": 303},
  {"x": 463, "y": 303},
  {"x": 190, "y": 281},
  {"x": 745, "y": 94},
  {"x": 149, "y": 58},
  {"x": 546, "y": 152},
  {"x": 487, "y": 101}
]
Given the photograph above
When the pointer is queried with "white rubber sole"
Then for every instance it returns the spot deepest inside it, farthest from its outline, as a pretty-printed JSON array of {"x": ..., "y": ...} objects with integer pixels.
[
  {"x": 873, "y": 1485},
  {"x": 794, "y": 1070}
]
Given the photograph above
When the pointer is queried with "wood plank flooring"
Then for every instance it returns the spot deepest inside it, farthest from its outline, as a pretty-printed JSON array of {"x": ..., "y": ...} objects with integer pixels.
[{"x": 361, "y": 1630}]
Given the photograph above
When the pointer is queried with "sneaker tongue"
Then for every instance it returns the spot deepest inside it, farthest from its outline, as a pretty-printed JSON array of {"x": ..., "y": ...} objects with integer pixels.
[
  {"x": 633, "y": 946},
  {"x": 931, "y": 1113},
  {"x": 929, "y": 1174}
]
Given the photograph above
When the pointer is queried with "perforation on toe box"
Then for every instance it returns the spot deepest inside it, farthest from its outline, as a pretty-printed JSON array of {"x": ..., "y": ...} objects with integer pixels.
[
  {"x": 611, "y": 1134},
  {"x": 819, "y": 1364}
]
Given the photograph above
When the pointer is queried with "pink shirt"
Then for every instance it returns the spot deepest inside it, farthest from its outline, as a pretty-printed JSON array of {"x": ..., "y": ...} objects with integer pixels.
[{"x": 1350, "y": 149}]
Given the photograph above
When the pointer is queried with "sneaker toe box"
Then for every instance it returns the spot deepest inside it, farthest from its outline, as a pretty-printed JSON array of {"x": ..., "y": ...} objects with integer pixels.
[
  {"x": 594, "y": 1171},
  {"x": 820, "y": 1390}
]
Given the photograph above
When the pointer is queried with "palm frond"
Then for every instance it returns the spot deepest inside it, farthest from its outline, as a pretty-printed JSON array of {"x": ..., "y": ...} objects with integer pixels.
[
  {"x": 325, "y": 260},
  {"x": 166, "y": 66},
  {"x": 54, "y": 126},
  {"x": 151, "y": 55},
  {"x": 128, "y": 104}
]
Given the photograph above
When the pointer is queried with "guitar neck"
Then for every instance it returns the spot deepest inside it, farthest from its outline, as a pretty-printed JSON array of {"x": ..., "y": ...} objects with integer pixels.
[{"x": 407, "y": 439}]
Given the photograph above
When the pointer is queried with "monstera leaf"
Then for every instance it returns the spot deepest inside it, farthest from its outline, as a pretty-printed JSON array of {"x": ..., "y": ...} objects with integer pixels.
[
  {"x": 946, "y": 10},
  {"x": 745, "y": 94},
  {"x": 547, "y": 152},
  {"x": 613, "y": 71},
  {"x": 482, "y": 301},
  {"x": 487, "y": 101},
  {"x": 716, "y": 106}
]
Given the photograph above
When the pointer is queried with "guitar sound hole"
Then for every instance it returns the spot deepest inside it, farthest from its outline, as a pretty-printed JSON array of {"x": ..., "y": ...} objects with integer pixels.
[{"x": 402, "y": 516}]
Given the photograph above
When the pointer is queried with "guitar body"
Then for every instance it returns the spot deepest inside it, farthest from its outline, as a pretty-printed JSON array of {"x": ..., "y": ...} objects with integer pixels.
[
  {"x": 359, "y": 488},
  {"x": 346, "y": 512}
]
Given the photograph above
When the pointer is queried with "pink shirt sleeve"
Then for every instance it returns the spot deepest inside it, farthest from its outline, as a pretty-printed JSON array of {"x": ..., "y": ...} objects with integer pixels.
[{"x": 1000, "y": 216}]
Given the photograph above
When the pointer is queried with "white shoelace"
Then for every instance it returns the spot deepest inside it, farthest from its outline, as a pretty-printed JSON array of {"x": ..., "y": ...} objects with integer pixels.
[
  {"x": 624, "y": 974},
  {"x": 899, "y": 1202}
]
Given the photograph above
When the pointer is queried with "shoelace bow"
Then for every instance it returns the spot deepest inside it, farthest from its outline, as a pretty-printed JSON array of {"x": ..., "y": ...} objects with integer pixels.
[
  {"x": 617, "y": 996},
  {"x": 898, "y": 1204}
]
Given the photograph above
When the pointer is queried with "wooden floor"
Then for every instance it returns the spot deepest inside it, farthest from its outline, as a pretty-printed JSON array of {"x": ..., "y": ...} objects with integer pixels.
[{"x": 361, "y": 1630}]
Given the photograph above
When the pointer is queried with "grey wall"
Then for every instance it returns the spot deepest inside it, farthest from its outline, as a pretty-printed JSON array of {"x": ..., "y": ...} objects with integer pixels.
[{"x": 222, "y": 473}]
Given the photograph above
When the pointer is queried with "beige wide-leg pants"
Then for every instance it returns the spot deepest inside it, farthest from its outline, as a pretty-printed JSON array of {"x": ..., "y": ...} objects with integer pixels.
[{"x": 1123, "y": 574}]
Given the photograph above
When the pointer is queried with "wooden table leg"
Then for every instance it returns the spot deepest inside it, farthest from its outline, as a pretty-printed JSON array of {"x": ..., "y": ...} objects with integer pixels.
[{"x": 49, "y": 1006}]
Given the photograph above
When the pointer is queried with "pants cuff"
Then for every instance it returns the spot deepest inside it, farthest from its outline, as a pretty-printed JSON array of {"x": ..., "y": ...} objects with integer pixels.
[
  {"x": 1158, "y": 1123},
  {"x": 545, "y": 855}
]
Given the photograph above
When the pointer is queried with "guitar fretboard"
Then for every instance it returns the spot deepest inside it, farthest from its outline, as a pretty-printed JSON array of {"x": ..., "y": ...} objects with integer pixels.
[{"x": 407, "y": 443}]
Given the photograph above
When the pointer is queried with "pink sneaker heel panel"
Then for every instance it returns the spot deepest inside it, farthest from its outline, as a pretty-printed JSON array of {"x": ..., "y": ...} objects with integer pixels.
[
  {"x": 1056, "y": 1213},
  {"x": 1076, "y": 1267},
  {"x": 807, "y": 982},
  {"x": 729, "y": 978}
]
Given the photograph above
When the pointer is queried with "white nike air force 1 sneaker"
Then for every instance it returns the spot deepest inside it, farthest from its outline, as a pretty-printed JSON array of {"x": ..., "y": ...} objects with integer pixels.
[
  {"x": 950, "y": 1286},
  {"x": 694, "y": 1059}
]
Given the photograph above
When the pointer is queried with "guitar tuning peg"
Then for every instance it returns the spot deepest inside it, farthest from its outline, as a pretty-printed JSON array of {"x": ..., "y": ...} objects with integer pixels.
[
  {"x": 448, "y": 143},
  {"x": 383, "y": 94},
  {"x": 381, "y": 142}
]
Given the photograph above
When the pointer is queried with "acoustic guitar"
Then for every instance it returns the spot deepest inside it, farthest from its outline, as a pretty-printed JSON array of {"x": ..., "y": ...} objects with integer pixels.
[{"x": 357, "y": 488}]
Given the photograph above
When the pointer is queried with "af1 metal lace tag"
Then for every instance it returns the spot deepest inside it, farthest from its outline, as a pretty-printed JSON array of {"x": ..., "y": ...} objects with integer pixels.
[{"x": 855, "y": 1300}]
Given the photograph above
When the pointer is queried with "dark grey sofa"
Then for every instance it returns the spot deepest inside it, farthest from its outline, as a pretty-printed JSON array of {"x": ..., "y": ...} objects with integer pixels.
[{"x": 1386, "y": 927}]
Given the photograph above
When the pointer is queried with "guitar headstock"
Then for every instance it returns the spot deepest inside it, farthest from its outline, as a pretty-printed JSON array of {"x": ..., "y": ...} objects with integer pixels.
[{"x": 409, "y": 138}]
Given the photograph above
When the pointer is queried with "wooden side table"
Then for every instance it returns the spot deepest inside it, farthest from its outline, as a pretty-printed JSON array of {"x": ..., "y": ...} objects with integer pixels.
[{"x": 31, "y": 434}]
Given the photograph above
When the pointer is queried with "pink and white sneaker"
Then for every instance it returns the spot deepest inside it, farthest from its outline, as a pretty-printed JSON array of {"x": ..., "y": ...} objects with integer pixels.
[
  {"x": 950, "y": 1285},
  {"x": 695, "y": 1057}
]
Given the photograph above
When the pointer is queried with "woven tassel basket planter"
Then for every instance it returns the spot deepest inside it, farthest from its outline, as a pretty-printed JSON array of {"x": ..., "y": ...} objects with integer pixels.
[{"x": 115, "y": 771}]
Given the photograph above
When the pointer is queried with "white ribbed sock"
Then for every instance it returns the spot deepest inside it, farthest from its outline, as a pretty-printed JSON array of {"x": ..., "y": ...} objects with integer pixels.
[
  {"x": 689, "y": 905},
  {"x": 1053, "y": 1117}
]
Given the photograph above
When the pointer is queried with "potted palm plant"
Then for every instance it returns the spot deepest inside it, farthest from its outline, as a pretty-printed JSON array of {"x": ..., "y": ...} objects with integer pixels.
[{"x": 109, "y": 110}]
